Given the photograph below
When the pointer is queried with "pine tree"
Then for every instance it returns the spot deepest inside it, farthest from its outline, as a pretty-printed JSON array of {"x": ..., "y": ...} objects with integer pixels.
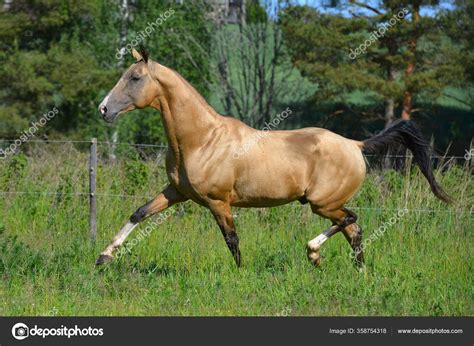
[{"x": 390, "y": 52}]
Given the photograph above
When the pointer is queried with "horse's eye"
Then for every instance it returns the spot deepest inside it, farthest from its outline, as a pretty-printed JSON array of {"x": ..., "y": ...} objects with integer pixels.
[{"x": 135, "y": 78}]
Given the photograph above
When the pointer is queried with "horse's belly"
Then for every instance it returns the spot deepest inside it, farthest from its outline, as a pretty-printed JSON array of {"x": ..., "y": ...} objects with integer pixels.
[
  {"x": 261, "y": 202},
  {"x": 261, "y": 187}
]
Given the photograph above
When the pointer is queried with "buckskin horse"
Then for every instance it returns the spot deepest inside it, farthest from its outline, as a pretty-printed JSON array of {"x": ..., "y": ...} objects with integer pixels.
[{"x": 311, "y": 165}]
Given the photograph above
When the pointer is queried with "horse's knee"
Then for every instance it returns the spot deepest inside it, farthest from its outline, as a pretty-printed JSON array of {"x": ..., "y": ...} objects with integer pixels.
[
  {"x": 350, "y": 218},
  {"x": 139, "y": 214}
]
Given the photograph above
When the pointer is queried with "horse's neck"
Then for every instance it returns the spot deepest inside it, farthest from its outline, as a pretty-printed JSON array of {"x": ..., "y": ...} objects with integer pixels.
[{"x": 188, "y": 119}]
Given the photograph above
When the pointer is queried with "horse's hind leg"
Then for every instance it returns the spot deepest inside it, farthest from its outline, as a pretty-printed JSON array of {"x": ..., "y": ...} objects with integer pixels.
[{"x": 342, "y": 218}]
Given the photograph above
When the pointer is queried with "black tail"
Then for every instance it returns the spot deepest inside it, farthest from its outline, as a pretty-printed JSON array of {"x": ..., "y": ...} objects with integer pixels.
[{"x": 406, "y": 133}]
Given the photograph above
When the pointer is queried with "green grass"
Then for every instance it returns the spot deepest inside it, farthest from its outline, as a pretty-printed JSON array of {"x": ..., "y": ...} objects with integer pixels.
[{"x": 423, "y": 265}]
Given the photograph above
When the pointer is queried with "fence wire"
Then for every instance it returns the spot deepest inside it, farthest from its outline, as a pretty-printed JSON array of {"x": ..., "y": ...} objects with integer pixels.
[
  {"x": 46, "y": 193},
  {"x": 163, "y": 147}
]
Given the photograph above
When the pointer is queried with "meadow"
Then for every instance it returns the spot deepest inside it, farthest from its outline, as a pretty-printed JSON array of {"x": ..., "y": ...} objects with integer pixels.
[{"x": 421, "y": 266}]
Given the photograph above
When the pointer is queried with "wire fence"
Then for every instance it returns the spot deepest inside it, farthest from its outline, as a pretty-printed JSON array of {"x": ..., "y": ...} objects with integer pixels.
[
  {"x": 148, "y": 197},
  {"x": 466, "y": 157},
  {"x": 163, "y": 147}
]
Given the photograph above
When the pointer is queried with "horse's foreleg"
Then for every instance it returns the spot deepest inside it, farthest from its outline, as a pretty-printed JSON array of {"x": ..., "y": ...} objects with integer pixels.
[
  {"x": 342, "y": 218},
  {"x": 164, "y": 200},
  {"x": 314, "y": 245},
  {"x": 223, "y": 214}
]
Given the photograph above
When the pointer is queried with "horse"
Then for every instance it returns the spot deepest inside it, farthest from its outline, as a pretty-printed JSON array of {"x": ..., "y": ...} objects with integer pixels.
[{"x": 309, "y": 165}]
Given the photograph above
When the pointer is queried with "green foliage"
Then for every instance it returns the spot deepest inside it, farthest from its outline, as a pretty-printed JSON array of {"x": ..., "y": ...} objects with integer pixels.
[
  {"x": 47, "y": 62},
  {"x": 255, "y": 12},
  {"x": 459, "y": 26},
  {"x": 321, "y": 45},
  {"x": 179, "y": 41},
  {"x": 141, "y": 127},
  {"x": 17, "y": 258},
  {"x": 63, "y": 54},
  {"x": 137, "y": 174},
  {"x": 14, "y": 171}
]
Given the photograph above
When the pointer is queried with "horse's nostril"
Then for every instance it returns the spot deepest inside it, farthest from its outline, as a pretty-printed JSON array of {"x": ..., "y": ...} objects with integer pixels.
[{"x": 103, "y": 110}]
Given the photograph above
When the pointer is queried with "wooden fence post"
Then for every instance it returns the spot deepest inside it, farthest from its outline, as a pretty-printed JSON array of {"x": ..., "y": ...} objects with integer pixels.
[{"x": 92, "y": 187}]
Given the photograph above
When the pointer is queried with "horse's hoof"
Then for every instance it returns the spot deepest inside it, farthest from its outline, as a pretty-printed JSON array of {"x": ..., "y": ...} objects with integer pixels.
[
  {"x": 361, "y": 269},
  {"x": 360, "y": 266},
  {"x": 103, "y": 259},
  {"x": 315, "y": 258}
]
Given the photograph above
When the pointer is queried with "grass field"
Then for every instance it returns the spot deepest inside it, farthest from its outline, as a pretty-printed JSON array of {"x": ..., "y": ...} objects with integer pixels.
[{"x": 422, "y": 265}]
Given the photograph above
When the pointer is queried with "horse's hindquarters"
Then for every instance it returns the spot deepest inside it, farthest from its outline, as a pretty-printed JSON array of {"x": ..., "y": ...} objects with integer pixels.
[{"x": 339, "y": 175}]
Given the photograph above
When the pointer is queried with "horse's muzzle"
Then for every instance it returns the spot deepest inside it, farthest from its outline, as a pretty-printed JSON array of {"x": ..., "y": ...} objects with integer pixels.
[
  {"x": 107, "y": 115},
  {"x": 103, "y": 110}
]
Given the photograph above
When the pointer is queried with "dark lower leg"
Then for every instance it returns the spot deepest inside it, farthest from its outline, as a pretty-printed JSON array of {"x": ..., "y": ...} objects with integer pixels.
[
  {"x": 223, "y": 215},
  {"x": 232, "y": 241},
  {"x": 353, "y": 234}
]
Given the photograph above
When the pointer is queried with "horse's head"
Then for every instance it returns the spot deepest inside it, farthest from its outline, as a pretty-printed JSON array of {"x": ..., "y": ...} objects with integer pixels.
[{"x": 135, "y": 89}]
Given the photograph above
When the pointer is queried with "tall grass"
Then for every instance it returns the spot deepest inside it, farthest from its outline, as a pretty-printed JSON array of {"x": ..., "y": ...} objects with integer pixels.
[{"x": 422, "y": 265}]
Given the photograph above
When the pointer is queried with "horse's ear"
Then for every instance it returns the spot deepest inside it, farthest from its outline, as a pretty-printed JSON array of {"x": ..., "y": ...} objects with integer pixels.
[
  {"x": 144, "y": 53},
  {"x": 136, "y": 55}
]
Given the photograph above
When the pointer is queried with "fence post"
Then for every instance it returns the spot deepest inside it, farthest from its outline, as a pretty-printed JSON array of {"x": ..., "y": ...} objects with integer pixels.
[{"x": 92, "y": 187}]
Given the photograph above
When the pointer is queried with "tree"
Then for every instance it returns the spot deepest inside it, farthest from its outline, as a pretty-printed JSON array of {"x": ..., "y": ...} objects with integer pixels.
[
  {"x": 388, "y": 51},
  {"x": 252, "y": 74},
  {"x": 45, "y": 62},
  {"x": 458, "y": 24},
  {"x": 65, "y": 55}
]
